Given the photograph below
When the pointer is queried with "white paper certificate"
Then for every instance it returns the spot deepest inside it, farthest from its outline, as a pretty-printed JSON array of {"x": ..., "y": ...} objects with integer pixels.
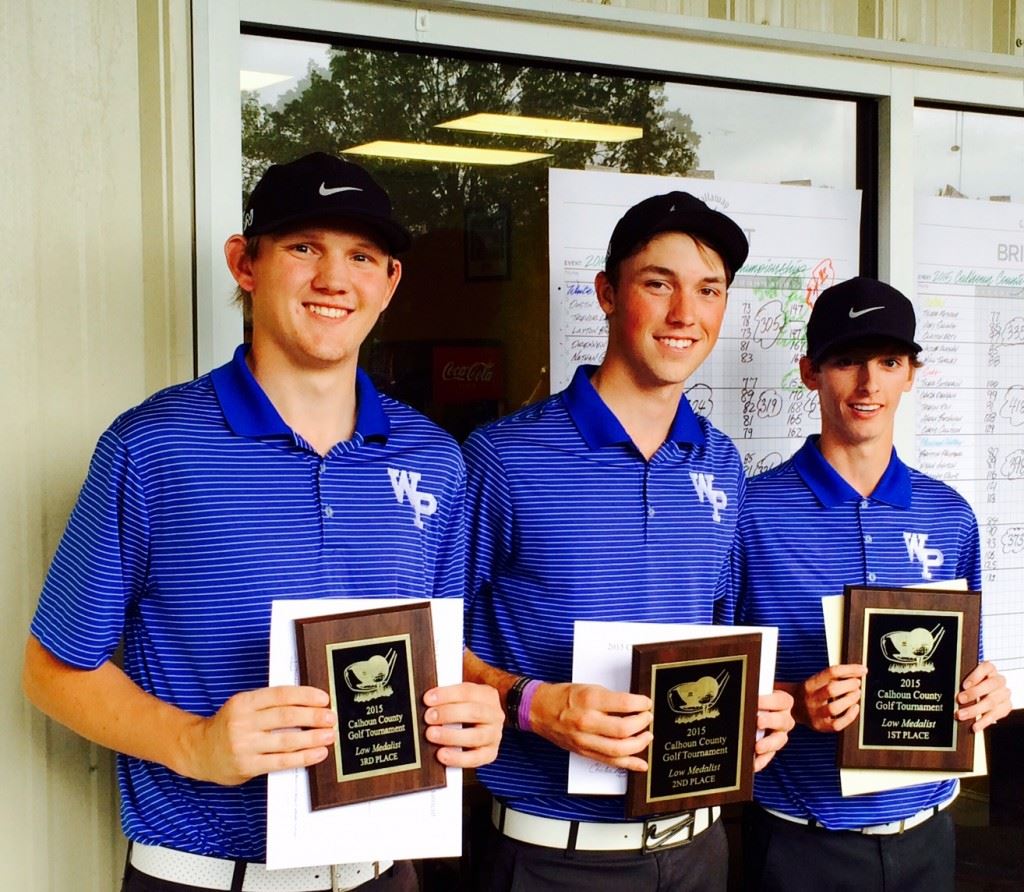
[
  {"x": 602, "y": 653},
  {"x": 854, "y": 781},
  {"x": 427, "y": 824}
]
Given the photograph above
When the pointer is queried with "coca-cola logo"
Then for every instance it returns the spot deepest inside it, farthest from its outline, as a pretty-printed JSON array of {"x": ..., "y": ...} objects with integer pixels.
[{"x": 471, "y": 372}]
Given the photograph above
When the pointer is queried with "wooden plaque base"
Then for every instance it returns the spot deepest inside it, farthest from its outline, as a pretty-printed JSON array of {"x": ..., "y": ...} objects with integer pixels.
[
  {"x": 376, "y": 665},
  {"x": 918, "y": 645},
  {"x": 705, "y": 717}
]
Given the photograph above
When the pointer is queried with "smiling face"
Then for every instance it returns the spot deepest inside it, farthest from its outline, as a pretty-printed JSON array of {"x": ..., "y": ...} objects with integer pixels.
[
  {"x": 859, "y": 390},
  {"x": 665, "y": 312},
  {"x": 316, "y": 293}
]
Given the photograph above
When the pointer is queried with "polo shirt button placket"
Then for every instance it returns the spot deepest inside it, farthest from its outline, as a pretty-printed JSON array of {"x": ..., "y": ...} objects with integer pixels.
[
  {"x": 326, "y": 511},
  {"x": 649, "y": 511},
  {"x": 868, "y": 539},
  {"x": 335, "y": 510}
]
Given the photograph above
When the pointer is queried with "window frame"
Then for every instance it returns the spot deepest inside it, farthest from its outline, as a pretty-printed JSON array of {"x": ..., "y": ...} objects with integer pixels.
[{"x": 894, "y": 76}]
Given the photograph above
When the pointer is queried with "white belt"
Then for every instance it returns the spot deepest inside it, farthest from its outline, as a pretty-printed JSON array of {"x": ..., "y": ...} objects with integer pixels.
[
  {"x": 655, "y": 833},
  {"x": 217, "y": 873},
  {"x": 893, "y": 827}
]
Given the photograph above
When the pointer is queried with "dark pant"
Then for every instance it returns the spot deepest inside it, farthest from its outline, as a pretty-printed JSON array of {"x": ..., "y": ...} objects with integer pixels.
[
  {"x": 699, "y": 866},
  {"x": 780, "y": 855},
  {"x": 400, "y": 878}
]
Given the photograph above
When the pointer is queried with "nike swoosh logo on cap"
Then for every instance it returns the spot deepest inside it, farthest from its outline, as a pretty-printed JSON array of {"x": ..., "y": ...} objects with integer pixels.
[
  {"x": 855, "y": 313},
  {"x": 325, "y": 191}
]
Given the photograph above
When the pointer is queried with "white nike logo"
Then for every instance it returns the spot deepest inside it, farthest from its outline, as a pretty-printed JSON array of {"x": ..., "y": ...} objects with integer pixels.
[
  {"x": 855, "y": 313},
  {"x": 325, "y": 191}
]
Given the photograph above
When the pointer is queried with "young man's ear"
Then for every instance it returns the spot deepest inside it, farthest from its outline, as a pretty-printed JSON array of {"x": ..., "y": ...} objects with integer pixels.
[
  {"x": 910, "y": 378},
  {"x": 394, "y": 277},
  {"x": 809, "y": 373},
  {"x": 605, "y": 293},
  {"x": 239, "y": 263}
]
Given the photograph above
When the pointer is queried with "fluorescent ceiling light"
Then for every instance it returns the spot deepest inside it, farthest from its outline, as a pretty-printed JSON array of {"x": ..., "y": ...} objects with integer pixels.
[
  {"x": 549, "y": 128},
  {"x": 257, "y": 80},
  {"x": 420, "y": 151}
]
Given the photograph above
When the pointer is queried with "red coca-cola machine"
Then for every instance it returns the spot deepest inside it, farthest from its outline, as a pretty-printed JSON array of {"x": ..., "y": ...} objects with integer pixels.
[
  {"x": 467, "y": 374},
  {"x": 459, "y": 384}
]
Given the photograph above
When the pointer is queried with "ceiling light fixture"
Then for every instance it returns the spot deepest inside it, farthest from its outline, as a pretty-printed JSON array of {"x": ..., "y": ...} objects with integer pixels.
[
  {"x": 257, "y": 80},
  {"x": 547, "y": 128},
  {"x": 418, "y": 151}
]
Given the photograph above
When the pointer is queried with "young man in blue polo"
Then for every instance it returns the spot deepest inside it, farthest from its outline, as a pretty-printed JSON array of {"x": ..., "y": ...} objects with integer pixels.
[
  {"x": 845, "y": 510},
  {"x": 612, "y": 500},
  {"x": 283, "y": 474}
]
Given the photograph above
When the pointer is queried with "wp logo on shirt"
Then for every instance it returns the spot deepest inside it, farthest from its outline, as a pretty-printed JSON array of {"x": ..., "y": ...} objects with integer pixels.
[
  {"x": 406, "y": 486},
  {"x": 704, "y": 486},
  {"x": 917, "y": 550}
]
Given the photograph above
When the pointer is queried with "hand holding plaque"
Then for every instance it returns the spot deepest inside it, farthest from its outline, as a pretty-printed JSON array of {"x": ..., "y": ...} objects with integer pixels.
[
  {"x": 704, "y": 693},
  {"x": 376, "y": 666},
  {"x": 917, "y": 645}
]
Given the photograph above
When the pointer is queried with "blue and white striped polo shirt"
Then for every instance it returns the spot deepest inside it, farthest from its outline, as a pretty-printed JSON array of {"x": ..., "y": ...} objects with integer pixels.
[
  {"x": 200, "y": 507},
  {"x": 568, "y": 521},
  {"x": 804, "y": 532}
]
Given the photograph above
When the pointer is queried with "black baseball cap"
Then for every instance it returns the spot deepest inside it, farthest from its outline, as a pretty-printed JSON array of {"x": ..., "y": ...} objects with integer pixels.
[
  {"x": 857, "y": 309},
  {"x": 321, "y": 186},
  {"x": 677, "y": 212}
]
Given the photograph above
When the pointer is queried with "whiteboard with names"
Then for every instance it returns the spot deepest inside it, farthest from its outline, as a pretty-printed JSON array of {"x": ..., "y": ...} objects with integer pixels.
[{"x": 969, "y": 429}]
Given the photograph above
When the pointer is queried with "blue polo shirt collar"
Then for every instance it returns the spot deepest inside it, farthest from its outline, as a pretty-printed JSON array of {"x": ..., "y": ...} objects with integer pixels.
[
  {"x": 598, "y": 424},
  {"x": 832, "y": 490},
  {"x": 249, "y": 412}
]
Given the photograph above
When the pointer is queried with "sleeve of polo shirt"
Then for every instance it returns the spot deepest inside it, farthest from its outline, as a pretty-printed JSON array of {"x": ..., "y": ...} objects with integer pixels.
[
  {"x": 729, "y": 583},
  {"x": 969, "y": 566},
  {"x": 489, "y": 512},
  {"x": 450, "y": 569},
  {"x": 100, "y": 564}
]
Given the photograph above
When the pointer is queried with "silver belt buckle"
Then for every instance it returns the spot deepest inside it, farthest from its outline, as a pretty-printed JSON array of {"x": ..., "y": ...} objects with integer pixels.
[{"x": 656, "y": 840}]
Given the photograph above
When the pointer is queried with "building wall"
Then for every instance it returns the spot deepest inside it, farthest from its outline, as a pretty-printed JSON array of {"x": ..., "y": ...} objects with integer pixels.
[
  {"x": 982, "y": 25},
  {"x": 96, "y": 310},
  {"x": 96, "y": 313}
]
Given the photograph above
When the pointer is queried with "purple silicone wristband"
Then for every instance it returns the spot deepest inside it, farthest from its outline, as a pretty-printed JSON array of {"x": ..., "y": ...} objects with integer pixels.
[{"x": 524, "y": 704}]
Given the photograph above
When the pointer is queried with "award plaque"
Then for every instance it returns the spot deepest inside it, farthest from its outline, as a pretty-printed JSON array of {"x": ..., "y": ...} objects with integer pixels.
[
  {"x": 376, "y": 665},
  {"x": 918, "y": 646},
  {"x": 704, "y": 693}
]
